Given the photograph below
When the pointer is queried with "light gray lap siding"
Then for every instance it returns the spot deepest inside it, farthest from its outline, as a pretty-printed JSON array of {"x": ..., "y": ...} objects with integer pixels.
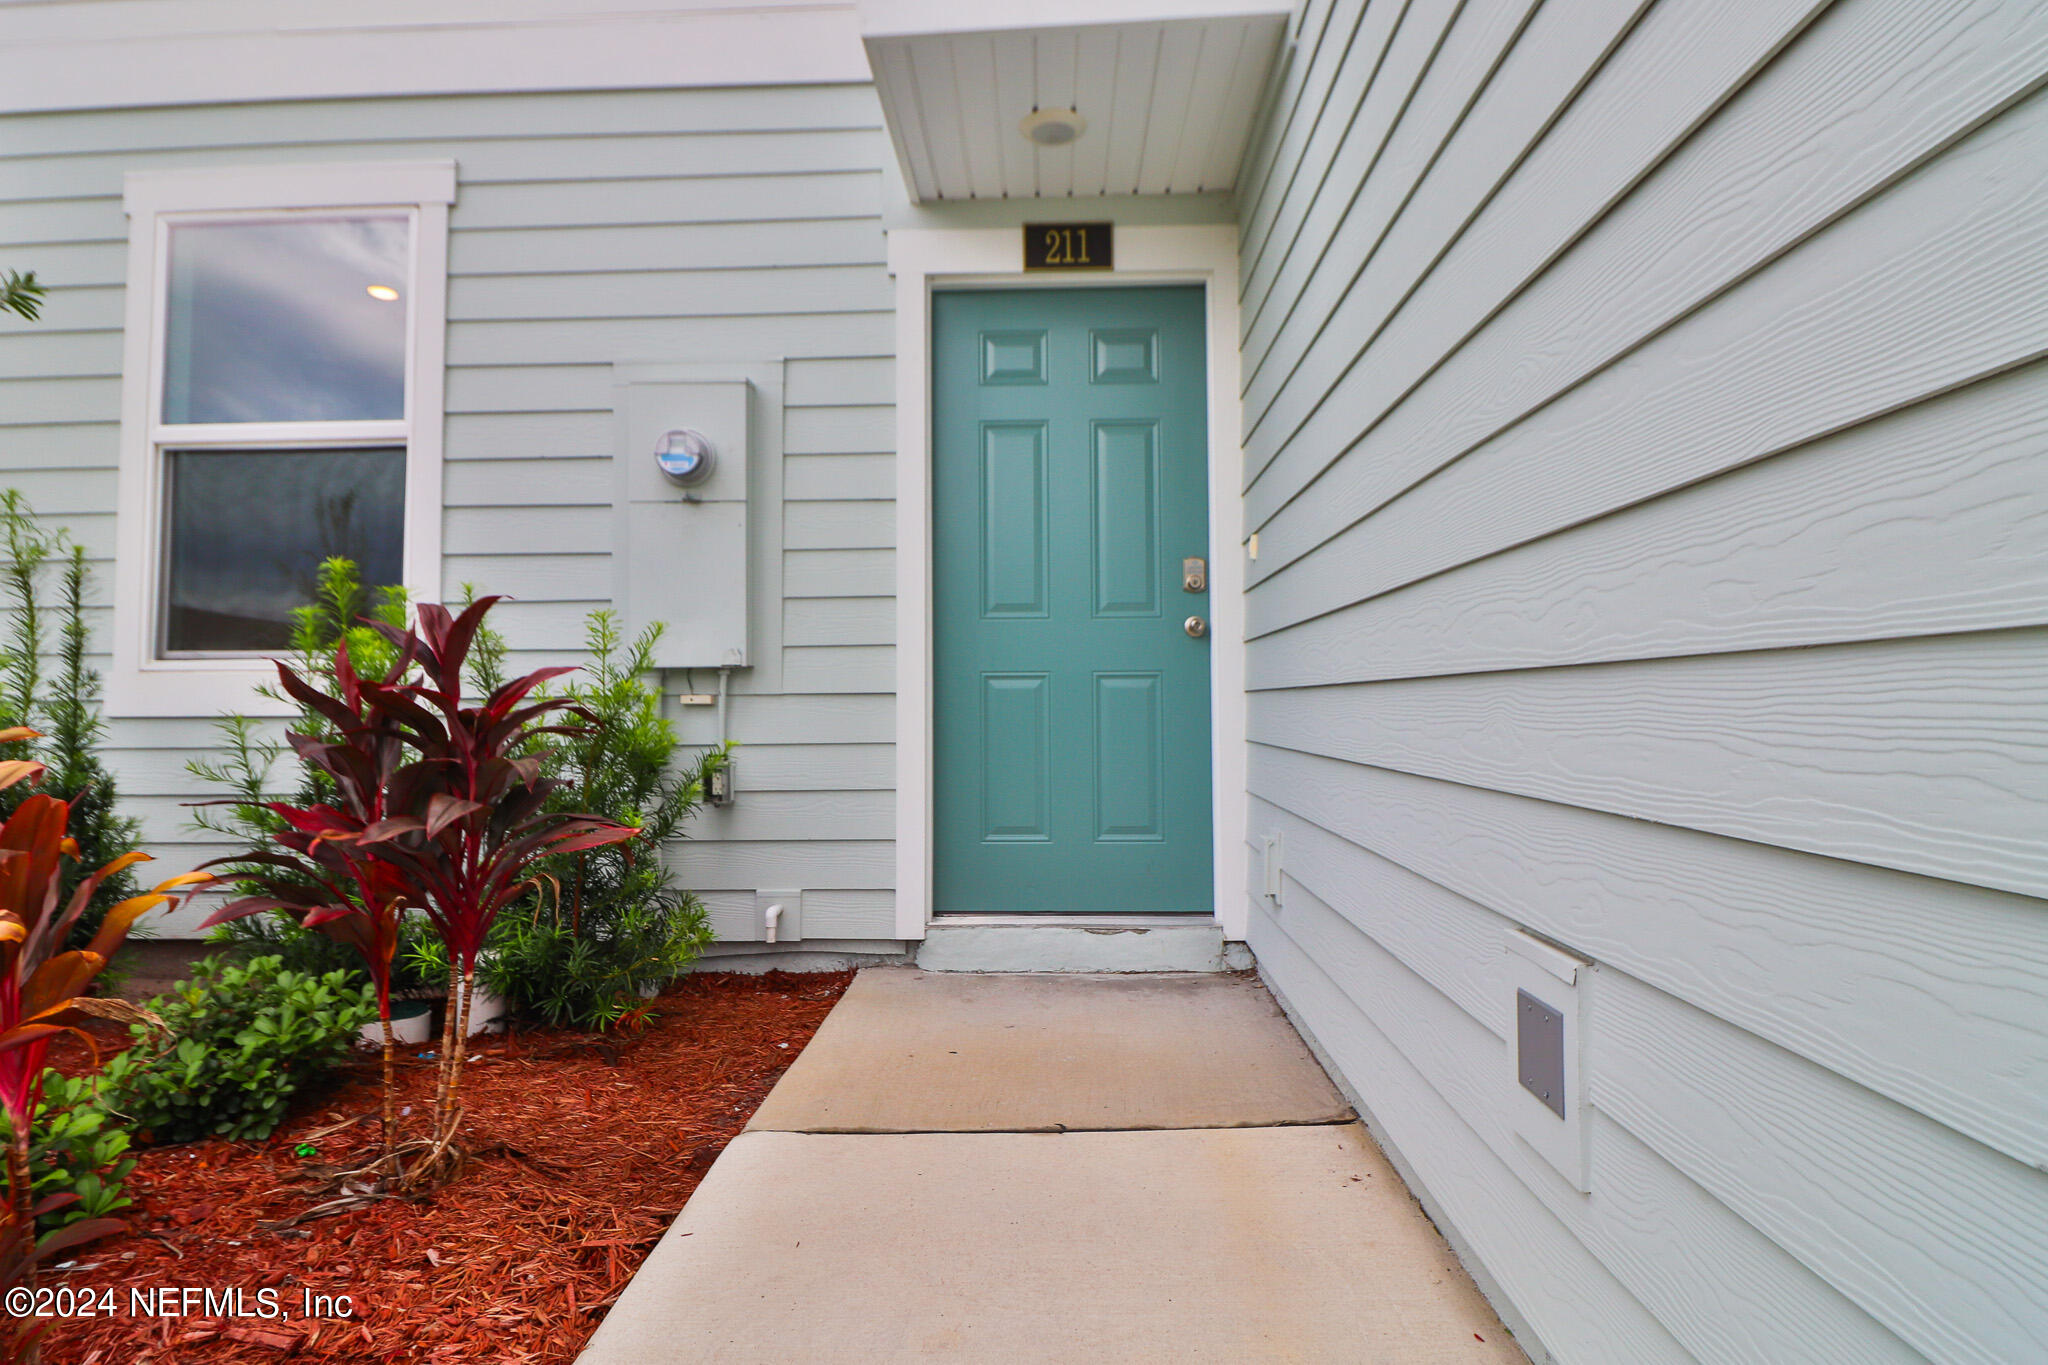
[
  {"x": 735, "y": 226},
  {"x": 1642, "y": 412}
]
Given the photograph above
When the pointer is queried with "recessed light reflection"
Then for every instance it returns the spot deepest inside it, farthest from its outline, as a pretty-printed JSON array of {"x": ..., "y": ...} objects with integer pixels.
[{"x": 384, "y": 292}]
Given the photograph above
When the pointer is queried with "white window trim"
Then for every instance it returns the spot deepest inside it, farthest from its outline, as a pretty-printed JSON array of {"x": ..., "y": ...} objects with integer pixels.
[
  {"x": 926, "y": 259},
  {"x": 139, "y": 683}
]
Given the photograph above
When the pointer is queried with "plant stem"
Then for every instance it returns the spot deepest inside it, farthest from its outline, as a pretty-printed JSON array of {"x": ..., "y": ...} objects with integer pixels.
[
  {"x": 443, "y": 1090},
  {"x": 390, "y": 1095},
  {"x": 461, "y": 1039},
  {"x": 21, "y": 1206}
]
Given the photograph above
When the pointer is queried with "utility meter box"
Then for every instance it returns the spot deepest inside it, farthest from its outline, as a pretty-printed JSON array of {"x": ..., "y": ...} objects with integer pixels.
[{"x": 679, "y": 551}]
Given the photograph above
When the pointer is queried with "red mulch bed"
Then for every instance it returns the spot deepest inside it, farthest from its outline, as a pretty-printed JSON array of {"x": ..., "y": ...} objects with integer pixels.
[{"x": 588, "y": 1146}]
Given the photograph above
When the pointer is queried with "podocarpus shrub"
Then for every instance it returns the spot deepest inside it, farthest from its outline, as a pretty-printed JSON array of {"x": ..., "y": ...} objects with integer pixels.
[
  {"x": 244, "y": 1038},
  {"x": 59, "y": 697}
]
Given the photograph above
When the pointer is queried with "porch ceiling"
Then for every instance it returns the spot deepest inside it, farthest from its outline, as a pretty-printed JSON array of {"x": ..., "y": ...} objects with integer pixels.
[{"x": 1169, "y": 90}]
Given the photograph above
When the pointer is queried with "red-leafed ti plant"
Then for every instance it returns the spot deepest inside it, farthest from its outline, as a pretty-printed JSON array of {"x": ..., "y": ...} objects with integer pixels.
[
  {"x": 440, "y": 805},
  {"x": 466, "y": 821},
  {"x": 42, "y": 995}
]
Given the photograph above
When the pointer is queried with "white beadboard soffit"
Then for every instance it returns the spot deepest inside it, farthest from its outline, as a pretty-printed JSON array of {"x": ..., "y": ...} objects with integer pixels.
[{"x": 1169, "y": 92}]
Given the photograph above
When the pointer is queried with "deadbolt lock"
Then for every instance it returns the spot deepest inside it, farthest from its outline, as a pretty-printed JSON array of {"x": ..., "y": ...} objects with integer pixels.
[
  {"x": 1194, "y": 574},
  {"x": 1196, "y": 627}
]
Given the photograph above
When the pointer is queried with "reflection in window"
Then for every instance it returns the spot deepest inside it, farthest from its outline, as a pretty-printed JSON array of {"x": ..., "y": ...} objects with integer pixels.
[
  {"x": 295, "y": 321},
  {"x": 247, "y": 530}
]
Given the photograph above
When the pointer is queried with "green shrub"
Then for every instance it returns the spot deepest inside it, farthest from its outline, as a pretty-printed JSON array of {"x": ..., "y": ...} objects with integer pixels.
[
  {"x": 76, "y": 1146},
  {"x": 244, "y": 1038},
  {"x": 60, "y": 698}
]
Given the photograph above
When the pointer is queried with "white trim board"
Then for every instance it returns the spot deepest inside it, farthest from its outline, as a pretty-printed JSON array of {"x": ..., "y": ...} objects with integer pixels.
[
  {"x": 318, "y": 53},
  {"x": 138, "y": 683},
  {"x": 926, "y": 259}
]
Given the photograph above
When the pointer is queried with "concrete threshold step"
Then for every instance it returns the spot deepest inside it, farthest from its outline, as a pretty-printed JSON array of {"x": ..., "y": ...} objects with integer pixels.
[{"x": 1097, "y": 943}]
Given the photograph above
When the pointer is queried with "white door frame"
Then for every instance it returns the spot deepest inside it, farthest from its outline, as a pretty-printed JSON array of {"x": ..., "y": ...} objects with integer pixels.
[{"x": 927, "y": 259}]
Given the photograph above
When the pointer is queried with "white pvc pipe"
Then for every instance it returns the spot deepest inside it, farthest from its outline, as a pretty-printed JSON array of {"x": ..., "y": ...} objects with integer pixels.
[{"x": 774, "y": 916}]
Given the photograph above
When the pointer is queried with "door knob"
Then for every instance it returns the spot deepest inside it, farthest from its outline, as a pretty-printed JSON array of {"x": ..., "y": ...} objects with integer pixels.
[{"x": 1196, "y": 627}]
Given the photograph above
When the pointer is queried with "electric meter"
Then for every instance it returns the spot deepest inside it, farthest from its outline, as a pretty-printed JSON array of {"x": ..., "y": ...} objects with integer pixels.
[{"x": 685, "y": 456}]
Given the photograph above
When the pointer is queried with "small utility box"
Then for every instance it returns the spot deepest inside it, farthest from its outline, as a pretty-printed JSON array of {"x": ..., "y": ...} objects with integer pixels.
[{"x": 679, "y": 552}]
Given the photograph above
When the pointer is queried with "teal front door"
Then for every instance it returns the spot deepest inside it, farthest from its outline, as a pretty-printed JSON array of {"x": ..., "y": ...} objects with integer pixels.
[{"x": 1071, "y": 696}]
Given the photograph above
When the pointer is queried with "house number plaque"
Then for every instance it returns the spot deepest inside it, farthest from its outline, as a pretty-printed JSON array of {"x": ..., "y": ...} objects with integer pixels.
[{"x": 1069, "y": 246}]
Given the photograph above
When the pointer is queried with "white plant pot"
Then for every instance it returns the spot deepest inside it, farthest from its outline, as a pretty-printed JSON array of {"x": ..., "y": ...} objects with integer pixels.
[
  {"x": 486, "y": 1012},
  {"x": 408, "y": 1030}
]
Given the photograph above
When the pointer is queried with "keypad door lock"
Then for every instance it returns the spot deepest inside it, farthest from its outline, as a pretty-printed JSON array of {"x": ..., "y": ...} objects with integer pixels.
[{"x": 1194, "y": 574}]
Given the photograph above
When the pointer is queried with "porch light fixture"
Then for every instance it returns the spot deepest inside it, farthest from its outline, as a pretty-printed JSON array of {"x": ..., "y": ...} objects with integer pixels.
[
  {"x": 383, "y": 293},
  {"x": 1052, "y": 127}
]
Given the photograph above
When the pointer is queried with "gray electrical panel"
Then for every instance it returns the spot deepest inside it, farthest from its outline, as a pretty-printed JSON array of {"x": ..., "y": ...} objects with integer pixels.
[{"x": 679, "y": 552}]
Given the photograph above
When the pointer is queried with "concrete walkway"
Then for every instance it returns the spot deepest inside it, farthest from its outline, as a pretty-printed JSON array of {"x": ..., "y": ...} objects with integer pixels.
[{"x": 1052, "y": 1168}]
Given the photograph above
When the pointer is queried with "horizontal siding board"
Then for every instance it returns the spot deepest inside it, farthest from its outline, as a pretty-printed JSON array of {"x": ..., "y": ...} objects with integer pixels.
[
  {"x": 793, "y": 815},
  {"x": 1924, "y": 756},
  {"x": 73, "y": 308},
  {"x": 548, "y": 387},
  {"x": 89, "y": 220},
  {"x": 77, "y": 355},
  {"x": 827, "y": 766},
  {"x": 469, "y": 118},
  {"x": 55, "y": 402},
  {"x": 529, "y": 530},
  {"x": 480, "y": 161},
  {"x": 532, "y": 577},
  {"x": 796, "y": 719},
  {"x": 1722, "y": 1288},
  {"x": 839, "y": 913},
  {"x": 61, "y": 492},
  {"x": 839, "y": 526},
  {"x": 831, "y": 478},
  {"x": 666, "y": 246},
  {"x": 839, "y": 668},
  {"x": 667, "y": 293},
  {"x": 839, "y": 620},
  {"x": 1956, "y": 1264},
  {"x": 1805, "y": 347},
  {"x": 852, "y": 864},
  {"x": 814, "y": 383},
  {"x": 72, "y": 264},
  {"x": 1882, "y": 977},
  {"x": 1931, "y": 520},
  {"x": 485, "y": 480},
  {"x": 727, "y": 199},
  {"x": 487, "y": 437},
  {"x": 603, "y": 340},
  {"x": 839, "y": 573},
  {"x": 840, "y": 431}
]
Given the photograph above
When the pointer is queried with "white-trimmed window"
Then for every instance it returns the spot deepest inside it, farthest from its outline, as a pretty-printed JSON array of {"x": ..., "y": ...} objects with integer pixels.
[{"x": 281, "y": 403}]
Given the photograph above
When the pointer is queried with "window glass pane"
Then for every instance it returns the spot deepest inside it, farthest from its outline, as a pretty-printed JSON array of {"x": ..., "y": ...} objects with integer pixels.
[
  {"x": 299, "y": 321},
  {"x": 247, "y": 530}
]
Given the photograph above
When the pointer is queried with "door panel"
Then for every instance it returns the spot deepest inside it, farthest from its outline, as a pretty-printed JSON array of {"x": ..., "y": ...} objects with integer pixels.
[{"x": 1071, "y": 710}]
